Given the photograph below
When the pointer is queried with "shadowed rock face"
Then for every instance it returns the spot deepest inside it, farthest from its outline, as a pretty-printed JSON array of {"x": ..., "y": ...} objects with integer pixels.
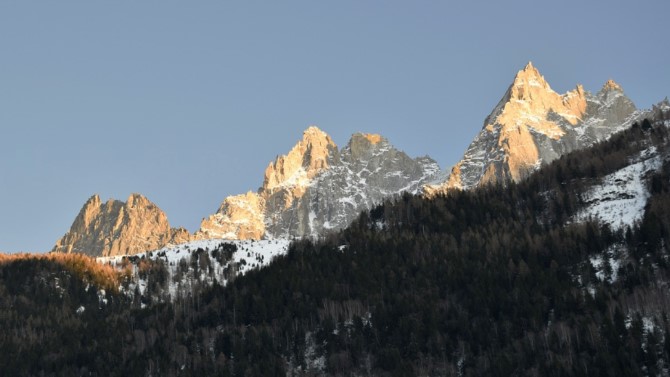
[
  {"x": 532, "y": 125},
  {"x": 317, "y": 187},
  {"x": 118, "y": 228}
]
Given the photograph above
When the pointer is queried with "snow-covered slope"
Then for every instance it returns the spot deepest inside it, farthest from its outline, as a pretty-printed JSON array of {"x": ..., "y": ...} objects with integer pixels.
[
  {"x": 173, "y": 271},
  {"x": 620, "y": 198}
]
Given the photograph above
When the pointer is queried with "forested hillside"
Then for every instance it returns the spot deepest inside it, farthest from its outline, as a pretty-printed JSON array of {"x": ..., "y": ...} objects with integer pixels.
[{"x": 499, "y": 281}]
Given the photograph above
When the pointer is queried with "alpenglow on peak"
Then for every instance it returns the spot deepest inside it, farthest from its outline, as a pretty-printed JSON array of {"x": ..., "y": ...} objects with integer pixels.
[
  {"x": 307, "y": 158},
  {"x": 317, "y": 187},
  {"x": 612, "y": 85},
  {"x": 119, "y": 228},
  {"x": 532, "y": 125}
]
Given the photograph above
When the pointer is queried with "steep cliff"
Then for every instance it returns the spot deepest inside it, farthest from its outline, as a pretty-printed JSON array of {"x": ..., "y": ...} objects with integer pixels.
[
  {"x": 532, "y": 125},
  {"x": 317, "y": 187},
  {"x": 118, "y": 228}
]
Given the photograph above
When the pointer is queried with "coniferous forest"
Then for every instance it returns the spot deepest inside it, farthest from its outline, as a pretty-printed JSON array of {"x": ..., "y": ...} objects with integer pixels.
[{"x": 497, "y": 281}]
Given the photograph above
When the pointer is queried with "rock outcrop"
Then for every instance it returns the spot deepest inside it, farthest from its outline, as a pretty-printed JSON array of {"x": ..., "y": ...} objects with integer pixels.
[
  {"x": 238, "y": 217},
  {"x": 118, "y": 228},
  {"x": 532, "y": 125},
  {"x": 317, "y": 188}
]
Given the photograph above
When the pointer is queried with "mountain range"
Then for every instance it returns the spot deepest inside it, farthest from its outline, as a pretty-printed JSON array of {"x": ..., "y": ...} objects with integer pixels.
[
  {"x": 562, "y": 273},
  {"x": 313, "y": 189},
  {"x": 543, "y": 253},
  {"x": 317, "y": 188}
]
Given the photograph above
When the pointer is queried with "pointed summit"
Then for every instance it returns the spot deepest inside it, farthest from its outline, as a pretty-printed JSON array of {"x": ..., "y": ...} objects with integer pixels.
[
  {"x": 611, "y": 85},
  {"x": 93, "y": 200},
  {"x": 532, "y": 125},
  {"x": 364, "y": 145},
  {"x": 372, "y": 139},
  {"x": 529, "y": 82},
  {"x": 118, "y": 228},
  {"x": 140, "y": 200},
  {"x": 317, "y": 188},
  {"x": 530, "y": 68},
  {"x": 314, "y": 136},
  {"x": 313, "y": 130},
  {"x": 307, "y": 158}
]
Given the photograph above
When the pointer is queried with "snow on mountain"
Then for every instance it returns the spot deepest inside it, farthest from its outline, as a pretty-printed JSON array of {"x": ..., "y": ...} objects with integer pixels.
[
  {"x": 620, "y": 198},
  {"x": 195, "y": 262},
  {"x": 313, "y": 189},
  {"x": 317, "y": 188},
  {"x": 533, "y": 125}
]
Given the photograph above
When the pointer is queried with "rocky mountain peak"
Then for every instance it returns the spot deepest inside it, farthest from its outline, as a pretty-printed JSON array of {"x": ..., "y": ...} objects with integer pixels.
[
  {"x": 90, "y": 208},
  {"x": 531, "y": 125},
  {"x": 661, "y": 111},
  {"x": 663, "y": 106},
  {"x": 529, "y": 84},
  {"x": 529, "y": 107},
  {"x": 530, "y": 99},
  {"x": 530, "y": 67},
  {"x": 316, "y": 188},
  {"x": 367, "y": 139},
  {"x": 314, "y": 135},
  {"x": 138, "y": 201},
  {"x": 306, "y": 159},
  {"x": 373, "y": 138},
  {"x": 117, "y": 228},
  {"x": 611, "y": 85},
  {"x": 238, "y": 217},
  {"x": 361, "y": 145},
  {"x": 93, "y": 201}
]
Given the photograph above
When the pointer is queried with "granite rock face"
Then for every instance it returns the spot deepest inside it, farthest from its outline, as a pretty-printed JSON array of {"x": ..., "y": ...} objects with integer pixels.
[
  {"x": 533, "y": 125},
  {"x": 119, "y": 228},
  {"x": 317, "y": 188},
  {"x": 238, "y": 217},
  {"x": 313, "y": 189}
]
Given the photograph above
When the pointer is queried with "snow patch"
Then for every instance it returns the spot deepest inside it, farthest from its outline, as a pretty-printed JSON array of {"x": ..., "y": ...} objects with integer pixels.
[
  {"x": 620, "y": 199},
  {"x": 184, "y": 273}
]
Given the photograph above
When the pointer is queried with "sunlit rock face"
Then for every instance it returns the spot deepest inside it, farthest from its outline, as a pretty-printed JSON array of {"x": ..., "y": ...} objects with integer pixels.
[
  {"x": 119, "y": 228},
  {"x": 532, "y": 125},
  {"x": 317, "y": 188}
]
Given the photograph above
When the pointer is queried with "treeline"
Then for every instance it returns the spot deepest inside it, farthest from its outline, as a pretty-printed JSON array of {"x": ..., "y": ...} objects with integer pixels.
[
  {"x": 485, "y": 282},
  {"x": 497, "y": 281},
  {"x": 52, "y": 311}
]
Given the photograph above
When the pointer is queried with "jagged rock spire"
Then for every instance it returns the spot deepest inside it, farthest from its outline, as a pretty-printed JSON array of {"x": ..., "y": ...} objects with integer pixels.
[
  {"x": 531, "y": 125},
  {"x": 316, "y": 188},
  {"x": 119, "y": 228},
  {"x": 304, "y": 161},
  {"x": 611, "y": 85}
]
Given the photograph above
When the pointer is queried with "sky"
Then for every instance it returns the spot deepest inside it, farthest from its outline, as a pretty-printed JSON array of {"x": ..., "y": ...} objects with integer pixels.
[{"x": 188, "y": 102}]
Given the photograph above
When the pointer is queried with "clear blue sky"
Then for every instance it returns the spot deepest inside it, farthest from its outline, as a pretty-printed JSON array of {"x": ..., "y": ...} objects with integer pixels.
[{"x": 187, "y": 102}]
